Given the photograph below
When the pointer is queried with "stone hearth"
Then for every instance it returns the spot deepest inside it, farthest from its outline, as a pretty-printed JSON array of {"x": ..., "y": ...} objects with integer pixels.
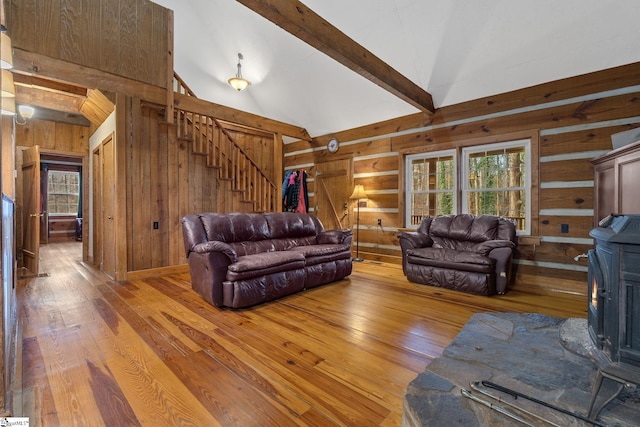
[{"x": 540, "y": 356}]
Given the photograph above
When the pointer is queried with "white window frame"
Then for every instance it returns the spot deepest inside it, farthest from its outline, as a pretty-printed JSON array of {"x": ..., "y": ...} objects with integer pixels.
[
  {"x": 64, "y": 172},
  {"x": 409, "y": 179},
  {"x": 464, "y": 188}
]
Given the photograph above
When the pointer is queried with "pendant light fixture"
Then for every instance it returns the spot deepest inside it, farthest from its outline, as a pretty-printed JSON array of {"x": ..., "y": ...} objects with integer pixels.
[
  {"x": 237, "y": 82},
  {"x": 6, "y": 52},
  {"x": 8, "y": 88},
  {"x": 25, "y": 112}
]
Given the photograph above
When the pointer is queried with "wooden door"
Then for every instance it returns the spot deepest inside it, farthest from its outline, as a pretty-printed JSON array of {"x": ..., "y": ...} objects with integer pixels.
[
  {"x": 31, "y": 209},
  {"x": 96, "y": 210},
  {"x": 333, "y": 186},
  {"x": 108, "y": 209}
]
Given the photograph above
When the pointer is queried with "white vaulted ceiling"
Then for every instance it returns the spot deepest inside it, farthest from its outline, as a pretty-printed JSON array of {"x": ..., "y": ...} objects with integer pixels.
[{"x": 457, "y": 50}]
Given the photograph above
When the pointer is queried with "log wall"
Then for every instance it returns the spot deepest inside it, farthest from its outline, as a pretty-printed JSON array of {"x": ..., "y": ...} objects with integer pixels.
[{"x": 573, "y": 120}]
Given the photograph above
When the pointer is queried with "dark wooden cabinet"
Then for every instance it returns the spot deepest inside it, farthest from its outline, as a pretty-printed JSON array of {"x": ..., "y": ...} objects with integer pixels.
[{"x": 617, "y": 182}]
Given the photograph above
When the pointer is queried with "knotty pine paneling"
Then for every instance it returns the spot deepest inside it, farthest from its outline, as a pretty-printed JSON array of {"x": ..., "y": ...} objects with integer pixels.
[
  {"x": 573, "y": 114},
  {"x": 380, "y": 182},
  {"x": 54, "y": 136},
  {"x": 579, "y": 226},
  {"x": 566, "y": 126},
  {"x": 567, "y": 170},
  {"x": 260, "y": 148},
  {"x": 558, "y": 90},
  {"x": 566, "y": 198},
  {"x": 554, "y": 252},
  {"x": 167, "y": 180},
  {"x": 126, "y": 38},
  {"x": 376, "y": 164},
  {"x": 578, "y": 141}
]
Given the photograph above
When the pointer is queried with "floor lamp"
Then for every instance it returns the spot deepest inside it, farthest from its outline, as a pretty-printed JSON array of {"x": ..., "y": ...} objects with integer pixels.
[{"x": 358, "y": 194}]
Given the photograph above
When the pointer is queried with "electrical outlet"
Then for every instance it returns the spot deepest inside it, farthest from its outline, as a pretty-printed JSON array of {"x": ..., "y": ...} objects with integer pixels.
[
  {"x": 156, "y": 225},
  {"x": 380, "y": 222},
  {"x": 564, "y": 228}
]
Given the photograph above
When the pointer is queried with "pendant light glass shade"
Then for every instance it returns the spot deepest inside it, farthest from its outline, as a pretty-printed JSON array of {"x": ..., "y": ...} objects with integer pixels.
[
  {"x": 6, "y": 52},
  {"x": 26, "y": 111},
  {"x": 8, "y": 88},
  {"x": 8, "y": 105}
]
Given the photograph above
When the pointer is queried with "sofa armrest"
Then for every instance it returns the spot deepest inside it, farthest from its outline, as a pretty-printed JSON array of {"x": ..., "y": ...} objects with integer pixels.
[
  {"x": 503, "y": 257},
  {"x": 413, "y": 239},
  {"x": 216, "y": 246},
  {"x": 485, "y": 248},
  {"x": 336, "y": 236}
]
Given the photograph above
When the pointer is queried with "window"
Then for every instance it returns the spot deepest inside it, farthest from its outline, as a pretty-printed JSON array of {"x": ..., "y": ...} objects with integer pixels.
[
  {"x": 432, "y": 185},
  {"x": 63, "y": 189},
  {"x": 495, "y": 179}
]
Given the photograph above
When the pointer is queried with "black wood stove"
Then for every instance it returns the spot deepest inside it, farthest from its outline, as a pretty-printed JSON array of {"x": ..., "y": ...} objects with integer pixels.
[{"x": 614, "y": 307}]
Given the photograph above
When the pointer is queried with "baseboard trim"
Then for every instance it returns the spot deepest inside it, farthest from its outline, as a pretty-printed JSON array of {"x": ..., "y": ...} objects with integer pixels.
[{"x": 155, "y": 272}]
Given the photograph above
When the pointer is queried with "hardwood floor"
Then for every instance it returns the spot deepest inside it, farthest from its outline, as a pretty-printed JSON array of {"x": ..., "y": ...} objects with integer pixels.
[{"x": 153, "y": 353}]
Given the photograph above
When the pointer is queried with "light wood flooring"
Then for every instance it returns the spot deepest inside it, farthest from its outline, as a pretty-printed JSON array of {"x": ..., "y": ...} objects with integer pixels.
[{"x": 152, "y": 353}]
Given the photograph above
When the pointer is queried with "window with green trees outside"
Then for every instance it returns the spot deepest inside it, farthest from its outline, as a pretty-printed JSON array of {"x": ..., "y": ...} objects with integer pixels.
[
  {"x": 63, "y": 190},
  {"x": 492, "y": 179}
]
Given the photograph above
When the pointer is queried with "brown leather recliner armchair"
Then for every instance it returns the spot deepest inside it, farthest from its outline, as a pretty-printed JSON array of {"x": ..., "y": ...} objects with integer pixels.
[{"x": 463, "y": 252}]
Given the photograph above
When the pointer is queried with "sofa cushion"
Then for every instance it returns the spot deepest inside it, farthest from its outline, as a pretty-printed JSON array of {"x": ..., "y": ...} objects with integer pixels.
[
  {"x": 462, "y": 231},
  {"x": 451, "y": 258},
  {"x": 319, "y": 250},
  {"x": 316, "y": 254},
  {"x": 261, "y": 264},
  {"x": 292, "y": 225}
]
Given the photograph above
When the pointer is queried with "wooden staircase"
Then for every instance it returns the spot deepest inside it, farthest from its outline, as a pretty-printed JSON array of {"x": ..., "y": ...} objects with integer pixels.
[{"x": 236, "y": 170}]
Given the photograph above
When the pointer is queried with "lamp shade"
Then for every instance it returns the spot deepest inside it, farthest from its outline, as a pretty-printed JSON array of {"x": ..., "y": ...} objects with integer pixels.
[
  {"x": 26, "y": 111},
  {"x": 238, "y": 83},
  {"x": 8, "y": 88},
  {"x": 358, "y": 192},
  {"x": 6, "y": 52},
  {"x": 8, "y": 105}
]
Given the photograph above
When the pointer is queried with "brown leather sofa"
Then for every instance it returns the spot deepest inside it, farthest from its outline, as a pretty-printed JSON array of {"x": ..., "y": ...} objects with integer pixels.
[
  {"x": 238, "y": 260},
  {"x": 463, "y": 252}
]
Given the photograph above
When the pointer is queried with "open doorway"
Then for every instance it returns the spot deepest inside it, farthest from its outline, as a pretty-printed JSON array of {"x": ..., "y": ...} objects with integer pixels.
[
  {"x": 52, "y": 203},
  {"x": 61, "y": 198}
]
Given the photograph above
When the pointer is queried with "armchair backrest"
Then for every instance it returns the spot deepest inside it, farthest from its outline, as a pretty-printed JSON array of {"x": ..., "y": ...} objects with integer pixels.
[{"x": 464, "y": 231}]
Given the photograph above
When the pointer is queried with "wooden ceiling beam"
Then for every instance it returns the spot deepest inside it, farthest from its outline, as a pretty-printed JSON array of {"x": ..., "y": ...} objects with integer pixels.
[
  {"x": 302, "y": 22},
  {"x": 52, "y": 85},
  {"x": 44, "y": 67},
  {"x": 38, "y": 97}
]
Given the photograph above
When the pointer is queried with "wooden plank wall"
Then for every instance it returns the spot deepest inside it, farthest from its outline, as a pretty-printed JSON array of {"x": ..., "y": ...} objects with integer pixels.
[
  {"x": 259, "y": 146},
  {"x": 167, "y": 180},
  {"x": 62, "y": 228},
  {"x": 126, "y": 38},
  {"x": 573, "y": 118}
]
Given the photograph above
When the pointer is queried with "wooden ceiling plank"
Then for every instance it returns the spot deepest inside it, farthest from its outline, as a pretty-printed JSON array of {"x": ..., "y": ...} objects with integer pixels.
[
  {"x": 300, "y": 21},
  {"x": 37, "y": 97}
]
